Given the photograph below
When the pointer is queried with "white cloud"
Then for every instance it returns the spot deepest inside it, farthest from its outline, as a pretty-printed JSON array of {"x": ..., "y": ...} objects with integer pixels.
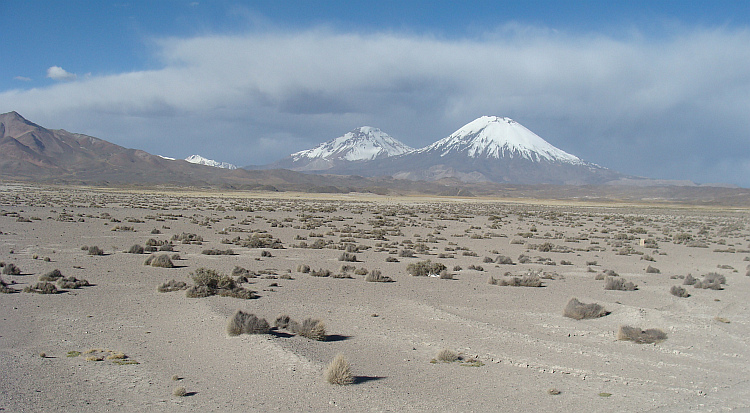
[
  {"x": 22, "y": 78},
  {"x": 673, "y": 107},
  {"x": 58, "y": 73}
]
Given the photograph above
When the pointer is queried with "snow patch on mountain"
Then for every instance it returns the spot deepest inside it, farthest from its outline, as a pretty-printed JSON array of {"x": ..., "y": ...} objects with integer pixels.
[
  {"x": 495, "y": 138},
  {"x": 361, "y": 144},
  {"x": 209, "y": 162}
]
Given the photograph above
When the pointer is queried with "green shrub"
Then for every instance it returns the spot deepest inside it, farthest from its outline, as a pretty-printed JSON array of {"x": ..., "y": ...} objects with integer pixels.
[{"x": 53, "y": 275}]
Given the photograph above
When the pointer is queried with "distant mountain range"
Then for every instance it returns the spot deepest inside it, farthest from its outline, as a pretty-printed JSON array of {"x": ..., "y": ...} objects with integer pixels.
[
  {"x": 488, "y": 157},
  {"x": 488, "y": 149}
]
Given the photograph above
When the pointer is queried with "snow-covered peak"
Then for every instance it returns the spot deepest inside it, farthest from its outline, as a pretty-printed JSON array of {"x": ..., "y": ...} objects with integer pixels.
[
  {"x": 496, "y": 137},
  {"x": 361, "y": 144},
  {"x": 209, "y": 162}
]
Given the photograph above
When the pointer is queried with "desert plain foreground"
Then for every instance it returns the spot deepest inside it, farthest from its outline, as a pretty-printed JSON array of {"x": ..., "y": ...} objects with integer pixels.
[{"x": 118, "y": 344}]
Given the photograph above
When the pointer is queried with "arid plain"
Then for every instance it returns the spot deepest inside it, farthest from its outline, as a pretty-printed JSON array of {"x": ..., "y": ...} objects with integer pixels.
[{"x": 508, "y": 271}]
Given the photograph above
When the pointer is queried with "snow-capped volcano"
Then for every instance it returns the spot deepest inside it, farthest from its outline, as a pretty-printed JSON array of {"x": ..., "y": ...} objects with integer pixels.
[
  {"x": 209, "y": 162},
  {"x": 495, "y": 138},
  {"x": 487, "y": 149},
  {"x": 361, "y": 144}
]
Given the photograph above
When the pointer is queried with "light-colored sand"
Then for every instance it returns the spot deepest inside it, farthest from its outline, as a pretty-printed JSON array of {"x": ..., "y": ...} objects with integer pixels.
[{"x": 519, "y": 334}]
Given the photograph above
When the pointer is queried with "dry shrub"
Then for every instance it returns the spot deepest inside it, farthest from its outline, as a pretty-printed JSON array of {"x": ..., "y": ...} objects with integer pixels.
[
  {"x": 447, "y": 356},
  {"x": 11, "y": 269},
  {"x": 446, "y": 275},
  {"x": 527, "y": 280},
  {"x": 41, "y": 288},
  {"x": 377, "y": 276},
  {"x": 282, "y": 321},
  {"x": 579, "y": 311},
  {"x": 678, "y": 291},
  {"x": 303, "y": 268},
  {"x": 72, "y": 283},
  {"x": 94, "y": 250},
  {"x": 712, "y": 281},
  {"x": 649, "y": 336},
  {"x": 161, "y": 260},
  {"x": 345, "y": 256},
  {"x": 135, "y": 249},
  {"x": 321, "y": 273},
  {"x": 172, "y": 285},
  {"x": 179, "y": 392},
  {"x": 619, "y": 284},
  {"x": 425, "y": 268},
  {"x": 689, "y": 280},
  {"x": 215, "y": 251},
  {"x": 4, "y": 289},
  {"x": 652, "y": 270},
  {"x": 311, "y": 328},
  {"x": 53, "y": 275},
  {"x": 502, "y": 259},
  {"x": 339, "y": 371},
  {"x": 246, "y": 323}
]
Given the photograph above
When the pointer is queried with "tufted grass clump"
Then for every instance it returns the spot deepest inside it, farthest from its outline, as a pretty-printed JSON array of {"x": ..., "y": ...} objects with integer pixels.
[
  {"x": 136, "y": 249},
  {"x": 320, "y": 273},
  {"x": 41, "y": 288},
  {"x": 345, "y": 256},
  {"x": 619, "y": 284},
  {"x": 53, "y": 275},
  {"x": 161, "y": 261},
  {"x": 579, "y": 311},
  {"x": 377, "y": 276},
  {"x": 95, "y": 250},
  {"x": 425, "y": 268},
  {"x": 216, "y": 251},
  {"x": 11, "y": 269},
  {"x": 712, "y": 281},
  {"x": 209, "y": 282},
  {"x": 339, "y": 371},
  {"x": 4, "y": 289},
  {"x": 526, "y": 280},
  {"x": 649, "y": 336},
  {"x": 246, "y": 323},
  {"x": 72, "y": 283},
  {"x": 678, "y": 291},
  {"x": 447, "y": 356},
  {"x": 171, "y": 285}
]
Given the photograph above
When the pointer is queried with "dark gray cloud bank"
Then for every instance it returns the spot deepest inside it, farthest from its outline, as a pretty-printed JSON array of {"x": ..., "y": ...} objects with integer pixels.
[{"x": 674, "y": 108}]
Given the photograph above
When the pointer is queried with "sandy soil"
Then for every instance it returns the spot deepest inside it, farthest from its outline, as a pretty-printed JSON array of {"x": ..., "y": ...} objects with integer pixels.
[{"x": 514, "y": 342}]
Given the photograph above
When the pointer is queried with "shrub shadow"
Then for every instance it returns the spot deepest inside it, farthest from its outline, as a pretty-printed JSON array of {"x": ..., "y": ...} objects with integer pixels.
[
  {"x": 337, "y": 337},
  {"x": 365, "y": 379}
]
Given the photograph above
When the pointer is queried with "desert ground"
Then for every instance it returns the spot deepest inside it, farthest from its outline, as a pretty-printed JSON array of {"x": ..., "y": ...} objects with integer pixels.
[{"x": 496, "y": 304}]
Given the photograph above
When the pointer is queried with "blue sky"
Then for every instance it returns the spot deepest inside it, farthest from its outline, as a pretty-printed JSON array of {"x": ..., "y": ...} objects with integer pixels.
[{"x": 658, "y": 89}]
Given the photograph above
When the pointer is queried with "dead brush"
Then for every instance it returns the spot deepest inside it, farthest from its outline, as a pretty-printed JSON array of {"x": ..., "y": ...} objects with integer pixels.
[
  {"x": 579, "y": 311},
  {"x": 246, "y": 323},
  {"x": 636, "y": 335}
]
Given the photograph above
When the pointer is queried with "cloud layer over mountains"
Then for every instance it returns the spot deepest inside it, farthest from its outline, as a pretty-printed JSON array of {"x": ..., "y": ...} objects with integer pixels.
[{"x": 674, "y": 107}]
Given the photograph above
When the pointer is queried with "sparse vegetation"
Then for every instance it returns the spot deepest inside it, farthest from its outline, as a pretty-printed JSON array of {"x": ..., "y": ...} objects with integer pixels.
[
  {"x": 161, "y": 260},
  {"x": 649, "y": 336},
  {"x": 377, "y": 276},
  {"x": 678, "y": 291},
  {"x": 246, "y": 323},
  {"x": 339, "y": 371},
  {"x": 579, "y": 311},
  {"x": 425, "y": 268},
  {"x": 618, "y": 284}
]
